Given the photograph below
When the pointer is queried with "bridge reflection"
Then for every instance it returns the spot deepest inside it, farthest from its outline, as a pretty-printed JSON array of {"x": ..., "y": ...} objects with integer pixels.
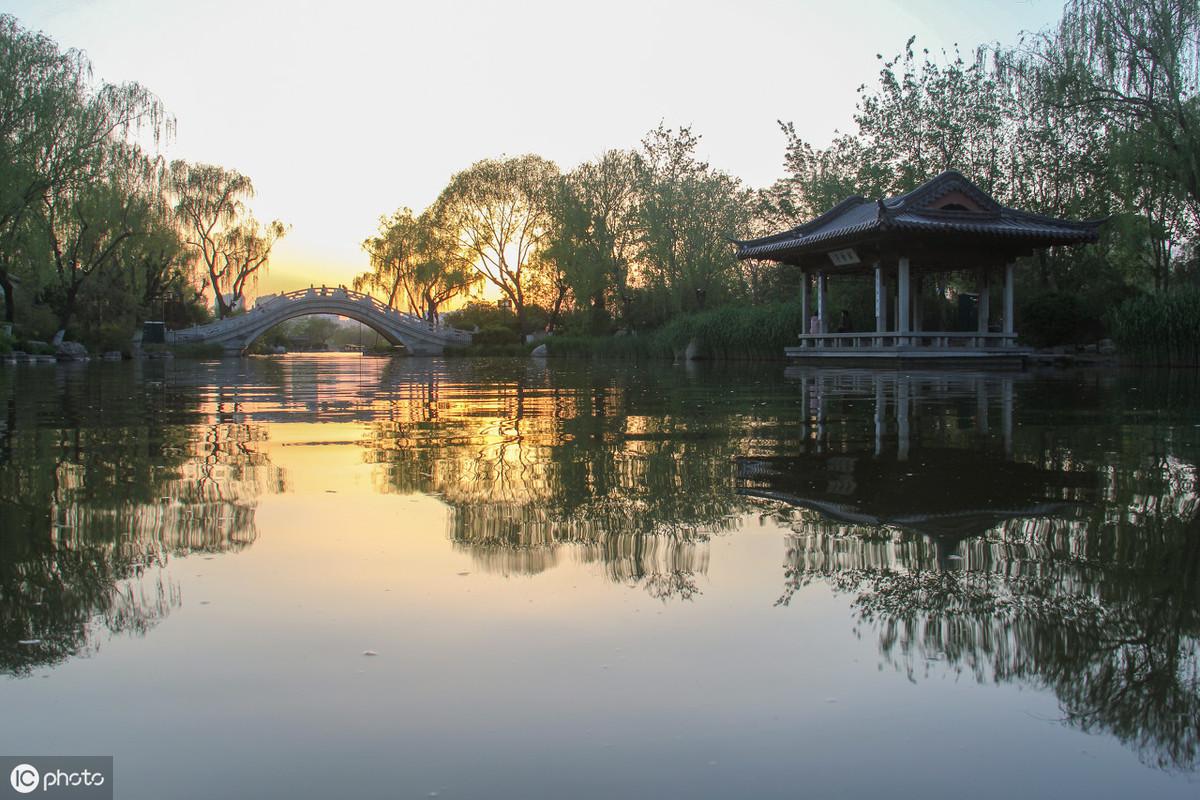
[{"x": 969, "y": 526}]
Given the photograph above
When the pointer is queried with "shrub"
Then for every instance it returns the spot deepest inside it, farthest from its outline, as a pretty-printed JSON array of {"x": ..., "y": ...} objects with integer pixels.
[
  {"x": 496, "y": 334},
  {"x": 628, "y": 347},
  {"x": 726, "y": 333},
  {"x": 1058, "y": 318},
  {"x": 111, "y": 336},
  {"x": 202, "y": 351},
  {"x": 481, "y": 315},
  {"x": 473, "y": 350}
]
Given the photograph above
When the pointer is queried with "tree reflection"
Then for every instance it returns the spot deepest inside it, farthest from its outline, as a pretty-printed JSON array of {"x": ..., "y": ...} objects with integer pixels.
[
  {"x": 1097, "y": 600},
  {"x": 103, "y": 480},
  {"x": 589, "y": 465}
]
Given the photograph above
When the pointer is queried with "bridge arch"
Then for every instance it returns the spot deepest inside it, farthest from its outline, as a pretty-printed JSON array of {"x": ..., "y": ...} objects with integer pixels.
[{"x": 235, "y": 334}]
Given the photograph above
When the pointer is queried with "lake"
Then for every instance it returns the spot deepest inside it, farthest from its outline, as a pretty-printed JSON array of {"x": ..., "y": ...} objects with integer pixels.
[{"x": 322, "y": 576}]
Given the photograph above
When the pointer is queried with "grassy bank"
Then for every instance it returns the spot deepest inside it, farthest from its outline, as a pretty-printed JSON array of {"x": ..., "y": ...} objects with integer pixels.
[
  {"x": 1162, "y": 329},
  {"x": 726, "y": 333}
]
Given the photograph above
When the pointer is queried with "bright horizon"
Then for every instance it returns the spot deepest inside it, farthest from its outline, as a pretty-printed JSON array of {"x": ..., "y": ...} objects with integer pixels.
[{"x": 345, "y": 112}]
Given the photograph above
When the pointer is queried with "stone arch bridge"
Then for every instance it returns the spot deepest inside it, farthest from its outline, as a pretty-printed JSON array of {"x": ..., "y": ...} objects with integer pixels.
[{"x": 235, "y": 334}]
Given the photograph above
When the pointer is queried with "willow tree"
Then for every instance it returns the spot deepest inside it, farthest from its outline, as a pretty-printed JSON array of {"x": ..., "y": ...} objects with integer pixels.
[
  {"x": 596, "y": 230},
  {"x": 90, "y": 225},
  {"x": 414, "y": 265},
  {"x": 1136, "y": 63},
  {"x": 688, "y": 212},
  {"x": 231, "y": 248},
  {"x": 497, "y": 214},
  {"x": 55, "y": 122}
]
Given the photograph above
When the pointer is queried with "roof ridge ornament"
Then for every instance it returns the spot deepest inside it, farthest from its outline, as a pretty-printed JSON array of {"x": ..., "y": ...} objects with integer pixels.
[{"x": 885, "y": 216}]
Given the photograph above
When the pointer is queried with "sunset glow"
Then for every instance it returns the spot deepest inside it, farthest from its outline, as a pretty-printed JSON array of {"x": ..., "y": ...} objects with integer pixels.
[{"x": 343, "y": 112}]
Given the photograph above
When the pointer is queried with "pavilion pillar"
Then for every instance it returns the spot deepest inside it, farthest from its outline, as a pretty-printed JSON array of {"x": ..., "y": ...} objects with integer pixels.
[
  {"x": 819, "y": 383},
  {"x": 821, "y": 320},
  {"x": 981, "y": 406},
  {"x": 804, "y": 314},
  {"x": 1008, "y": 301},
  {"x": 880, "y": 305},
  {"x": 804, "y": 399},
  {"x": 904, "y": 300},
  {"x": 880, "y": 407},
  {"x": 916, "y": 304},
  {"x": 1006, "y": 389},
  {"x": 985, "y": 306}
]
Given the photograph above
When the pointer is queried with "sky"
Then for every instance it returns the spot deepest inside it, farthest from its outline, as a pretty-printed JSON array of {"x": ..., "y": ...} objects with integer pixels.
[{"x": 341, "y": 112}]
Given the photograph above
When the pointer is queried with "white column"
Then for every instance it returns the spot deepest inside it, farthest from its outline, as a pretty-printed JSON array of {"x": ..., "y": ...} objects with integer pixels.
[
  {"x": 1006, "y": 387},
  {"x": 916, "y": 303},
  {"x": 880, "y": 406},
  {"x": 1008, "y": 299},
  {"x": 804, "y": 315},
  {"x": 880, "y": 305},
  {"x": 821, "y": 303},
  {"x": 985, "y": 305},
  {"x": 804, "y": 400},
  {"x": 819, "y": 382},
  {"x": 902, "y": 326},
  {"x": 981, "y": 406}
]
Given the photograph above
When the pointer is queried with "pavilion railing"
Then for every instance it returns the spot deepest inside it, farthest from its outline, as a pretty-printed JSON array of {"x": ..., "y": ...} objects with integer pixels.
[{"x": 943, "y": 340}]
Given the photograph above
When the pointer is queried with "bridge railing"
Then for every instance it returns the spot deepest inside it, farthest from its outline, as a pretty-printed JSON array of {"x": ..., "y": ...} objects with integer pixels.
[{"x": 253, "y": 317}]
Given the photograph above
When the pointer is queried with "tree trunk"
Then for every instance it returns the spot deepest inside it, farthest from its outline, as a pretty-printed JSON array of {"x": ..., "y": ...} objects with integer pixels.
[
  {"x": 9, "y": 306},
  {"x": 68, "y": 307},
  {"x": 599, "y": 312}
]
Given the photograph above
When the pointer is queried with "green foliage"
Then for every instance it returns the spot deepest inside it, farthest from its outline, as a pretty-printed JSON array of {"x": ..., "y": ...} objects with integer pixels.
[
  {"x": 1135, "y": 64},
  {"x": 496, "y": 334},
  {"x": 1097, "y": 117},
  {"x": 731, "y": 332},
  {"x": 633, "y": 347},
  {"x": 227, "y": 244},
  {"x": 478, "y": 314},
  {"x": 34, "y": 347},
  {"x": 496, "y": 215},
  {"x": 688, "y": 213},
  {"x": 1058, "y": 318},
  {"x": 504, "y": 350},
  {"x": 1160, "y": 329},
  {"x": 596, "y": 232},
  {"x": 198, "y": 351},
  {"x": 414, "y": 266},
  {"x": 760, "y": 332}
]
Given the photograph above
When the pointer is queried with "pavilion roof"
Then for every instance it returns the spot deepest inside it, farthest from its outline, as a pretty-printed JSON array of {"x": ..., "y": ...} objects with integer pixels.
[{"x": 948, "y": 208}]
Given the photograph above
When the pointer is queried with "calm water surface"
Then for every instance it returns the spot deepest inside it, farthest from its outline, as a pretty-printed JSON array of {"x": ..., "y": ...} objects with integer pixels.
[{"x": 311, "y": 577}]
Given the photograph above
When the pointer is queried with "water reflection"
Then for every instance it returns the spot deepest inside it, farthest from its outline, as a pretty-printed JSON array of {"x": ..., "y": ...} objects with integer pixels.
[
  {"x": 556, "y": 463},
  {"x": 1014, "y": 528},
  {"x": 101, "y": 483},
  {"x": 1045, "y": 560}
]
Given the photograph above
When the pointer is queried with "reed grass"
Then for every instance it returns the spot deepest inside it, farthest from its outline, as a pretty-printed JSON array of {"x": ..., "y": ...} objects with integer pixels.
[
  {"x": 1160, "y": 329},
  {"x": 757, "y": 332}
]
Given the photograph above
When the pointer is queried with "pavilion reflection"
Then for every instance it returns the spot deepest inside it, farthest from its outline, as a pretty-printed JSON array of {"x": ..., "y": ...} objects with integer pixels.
[
  {"x": 101, "y": 485},
  {"x": 1043, "y": 560},
  {"x": 900, "y": 400}
]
